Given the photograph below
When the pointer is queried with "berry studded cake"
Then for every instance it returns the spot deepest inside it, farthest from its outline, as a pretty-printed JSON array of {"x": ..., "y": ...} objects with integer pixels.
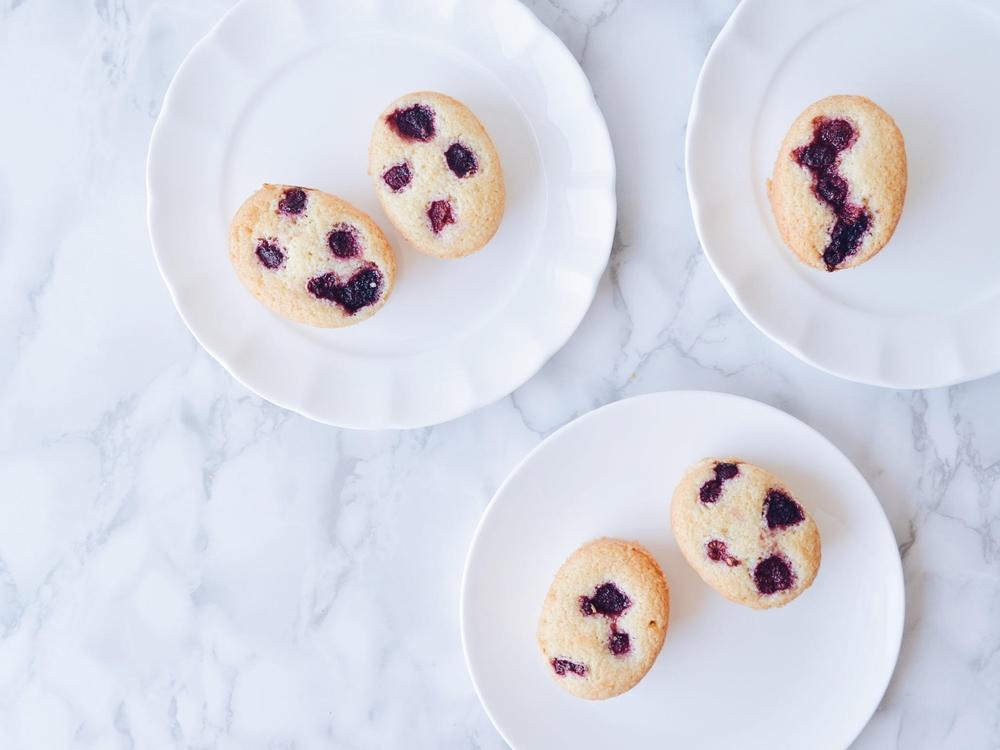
[
  {"x": 311, "y": 257},
  {"x": 437, "y": 174},
  {"x": 604, "y": 618},
  {"x": 745, "y": 533},
  {"x": 839, "y": 182}
]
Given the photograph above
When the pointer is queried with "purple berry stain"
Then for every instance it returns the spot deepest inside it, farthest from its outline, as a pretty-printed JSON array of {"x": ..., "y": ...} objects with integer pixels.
[
  {"x": 461, "y": 160},
  {"x": 440, "y": 215},
  {"x": 773, "y": 574},
  {"x": 293, "y": 202},
  {"x": 414, "y": 123},
  {"x": 344, "y": 242},
  {"x": 781, "y": 511},
  {"x": 362, "y": 289},
  {"x": 608, "y": 600},
  {"x": 711, "y": 490},
  {"x": 564, "y": 666},
  {"x": 820, "y": 156},
  {"x": 397, "y": 177},
  {"x": 269, "y": 253},
  {"x": 618, "y": 643},
  {"x": 717, "y": 551}
]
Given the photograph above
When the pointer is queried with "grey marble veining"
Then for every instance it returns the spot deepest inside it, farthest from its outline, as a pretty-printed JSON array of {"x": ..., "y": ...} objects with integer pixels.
[{"x": 183, "y": 565}]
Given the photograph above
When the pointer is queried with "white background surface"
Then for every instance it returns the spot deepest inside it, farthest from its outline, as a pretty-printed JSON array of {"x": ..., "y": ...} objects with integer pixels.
[
  {"x": 182, "y": 565},
  {"x": 807, "y": 675}
]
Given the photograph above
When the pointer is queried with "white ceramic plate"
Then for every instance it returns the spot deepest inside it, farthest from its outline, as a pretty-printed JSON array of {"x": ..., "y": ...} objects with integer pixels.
[
  {"x": 926, "y": 311},
  {"x": 808, "y": 675},
  {"x": 287, "y": 92}
]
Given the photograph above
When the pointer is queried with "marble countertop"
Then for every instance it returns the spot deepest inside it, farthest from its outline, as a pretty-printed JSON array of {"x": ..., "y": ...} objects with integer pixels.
[{"x": 183, "y": 565}]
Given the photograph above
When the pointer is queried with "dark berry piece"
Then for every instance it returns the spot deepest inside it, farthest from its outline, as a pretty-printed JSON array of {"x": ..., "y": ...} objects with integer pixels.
[
  {"x": 344, "y": 241},
  {"x": 618, "y": 643},
  {"x": 587, "y": 606},
  {"x": 269, "y": 253},
  {"x": 837, "y": 133},
  {"x": 325, "y": 286},
  {"x": 293, "y": 202},
  {"x": 414, "y": 123},
  {"x": 461, "y": 160},
  {"x": 717, "y": 551},
  {"x": 781, "y": 511},
  {"x": 440, "y": 215},
  {"x": 832, "y": 189},
  {"x": 726, "y": 471},
  {"x": 772, "y": 575},
  {"x": 397, "y": 177},
  {"x": 609, "y": 600},
  {"x": 833, "y": 257},
  {"x": 845, "y": 239},
  {"x": 362, "y": 289},
  {"x": 710, "y": 491},
  {"x": 562, "y": 666},
  {"x": 817, "y": 155}
]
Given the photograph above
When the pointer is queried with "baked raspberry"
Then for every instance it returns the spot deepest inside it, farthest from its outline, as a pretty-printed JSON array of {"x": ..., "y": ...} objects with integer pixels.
[
  {"x": 562, "y": 666},
  {"x": 293, "y": 202},
  {"x": 414, "y": 123},
  {"x": 845, "y": 238},
  {"x": 725, "y": 471},
  {"x": 781, "y": 511},
  {"x": 344, "y": 241},
  {"x": 838, "y": 133},
  {"x": 440, "y": 215},
  {"x": 461, "y": 160},
  {"x": 269, "y": 253},
  {"x": 773, "y": 574},
  {"x": 817, "y": 155},
  {"x": 618, "y": 643},
  {"x": 397, "y": 177},
  {"x": 608, "y": 600},
  {"x": 831, "y": 188}
]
